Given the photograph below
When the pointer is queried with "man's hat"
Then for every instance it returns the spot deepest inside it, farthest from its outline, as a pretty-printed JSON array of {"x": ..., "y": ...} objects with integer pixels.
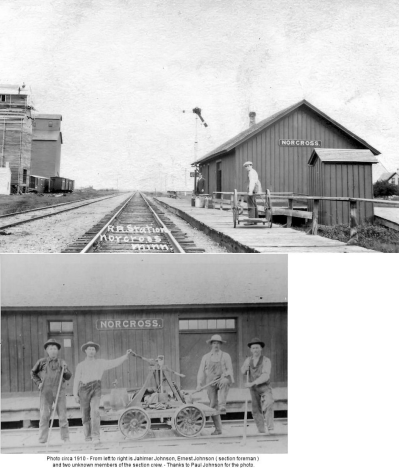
[
  {"x": 216, "y": 338},
  {"x": 90, "y": 343},
  {"x": 256, "y": 341},
  {"x": 52, "y": 342},
  {"x": 247, "y": 163}
]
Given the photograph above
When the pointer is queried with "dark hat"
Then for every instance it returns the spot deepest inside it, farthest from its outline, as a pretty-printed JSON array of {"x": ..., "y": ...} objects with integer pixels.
[
  {"x": 90, "y": 343},
  {"x": 216, "y": 338},
  {"x": 256, "y": 341},
  {"x": 52, "y": 342}
]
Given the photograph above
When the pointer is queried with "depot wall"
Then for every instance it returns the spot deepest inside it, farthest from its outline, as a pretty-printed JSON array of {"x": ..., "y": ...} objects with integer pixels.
[{"x": 24, "y": 332}]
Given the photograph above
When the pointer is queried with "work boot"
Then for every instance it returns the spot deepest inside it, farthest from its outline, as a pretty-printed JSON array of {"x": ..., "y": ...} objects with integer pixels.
[{"x": 218, "y": 425}]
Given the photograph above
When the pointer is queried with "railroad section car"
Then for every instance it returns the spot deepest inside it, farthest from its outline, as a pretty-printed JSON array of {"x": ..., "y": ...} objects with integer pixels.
[
  {"x": 61, "y": 184},
  {"x": 39, "y": 184}
]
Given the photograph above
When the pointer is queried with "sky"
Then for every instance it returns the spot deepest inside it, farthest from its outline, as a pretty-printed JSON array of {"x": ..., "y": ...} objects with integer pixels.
[{"x": 121, "y": 72}]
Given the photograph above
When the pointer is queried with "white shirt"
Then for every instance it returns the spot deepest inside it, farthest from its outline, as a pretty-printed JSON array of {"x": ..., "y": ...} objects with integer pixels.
[{"x": 93, "y": 369}]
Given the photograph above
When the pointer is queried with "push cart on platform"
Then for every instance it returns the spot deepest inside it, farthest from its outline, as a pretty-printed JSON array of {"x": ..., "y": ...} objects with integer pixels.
[{"x": 265, "y": 208}]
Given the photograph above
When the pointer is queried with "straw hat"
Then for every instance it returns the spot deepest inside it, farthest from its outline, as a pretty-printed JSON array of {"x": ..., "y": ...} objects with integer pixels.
[
  {"x": 90, "y": 343},
  {"x": 216, "y": 338}
]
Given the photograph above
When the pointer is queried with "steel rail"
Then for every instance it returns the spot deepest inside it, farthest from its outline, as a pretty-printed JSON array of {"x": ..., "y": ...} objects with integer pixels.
[
  {"x": 168, "y": 234},
  {"x": 16, "y": 213},
  {"x": 90, "y": 244},
  {"x": 53, "y": 214}
]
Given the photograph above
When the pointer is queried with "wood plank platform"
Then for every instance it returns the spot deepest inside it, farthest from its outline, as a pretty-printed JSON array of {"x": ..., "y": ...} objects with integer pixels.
[
  {"x": 218, "y": 224},
  {"x": 388, "y": 217},
  {"x": 25, "y": 406}
]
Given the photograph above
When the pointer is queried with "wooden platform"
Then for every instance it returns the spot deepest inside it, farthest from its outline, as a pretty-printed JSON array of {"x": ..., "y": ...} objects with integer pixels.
[
  {"x": 25, "y": 406},
  {"x": 218, "y": 224},
  {"x": 388, "y": 217}
]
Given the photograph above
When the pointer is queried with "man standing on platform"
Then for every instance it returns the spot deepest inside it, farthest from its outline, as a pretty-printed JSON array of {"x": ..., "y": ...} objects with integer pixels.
[
  {"x": 254, "y": 187},
  {"x": 258, "y": 368},
  {"x": 87, "y": 387},
  {"x": 216, "y": 365},
  {"x": 46, "y": 373},
  {"x": 200, "y": 185}
]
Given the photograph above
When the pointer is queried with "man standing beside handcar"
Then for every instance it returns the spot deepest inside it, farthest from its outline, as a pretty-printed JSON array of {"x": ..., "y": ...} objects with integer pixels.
[
  {"x": 216, "y": 365},
  {"x": 259, "y": 368},
  {"x": 254, "y": 187},
  {"x": 46, "y": 373},
  {"x": 87, "y": 387}
]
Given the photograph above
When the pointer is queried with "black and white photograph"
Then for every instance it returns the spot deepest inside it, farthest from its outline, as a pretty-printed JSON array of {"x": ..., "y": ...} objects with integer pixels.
[
  {"x": 214, "y": 130},
  {"x": 240, "y": 126},
  {"x": 122, "y": 354}
]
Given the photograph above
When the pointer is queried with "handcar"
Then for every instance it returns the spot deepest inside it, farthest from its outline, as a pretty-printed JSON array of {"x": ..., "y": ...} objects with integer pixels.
[{"x": 165, "y": 401}]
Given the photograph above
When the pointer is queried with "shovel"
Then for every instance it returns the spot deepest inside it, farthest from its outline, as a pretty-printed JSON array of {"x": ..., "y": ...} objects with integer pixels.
[
  {"x": 189, "y": 398},
  {"x": 55, "y": 405},
  {"x": 244, "y": 435}
]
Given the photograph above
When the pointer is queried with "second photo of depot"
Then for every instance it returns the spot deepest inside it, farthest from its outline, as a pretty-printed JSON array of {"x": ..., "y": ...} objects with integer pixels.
[{"x": 144, "y": 354}]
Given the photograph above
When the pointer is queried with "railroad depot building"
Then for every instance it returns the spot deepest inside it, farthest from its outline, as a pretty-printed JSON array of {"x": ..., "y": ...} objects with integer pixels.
[
  {"x": 155, "y": 306},
  {"x": 280, "y": 148}
]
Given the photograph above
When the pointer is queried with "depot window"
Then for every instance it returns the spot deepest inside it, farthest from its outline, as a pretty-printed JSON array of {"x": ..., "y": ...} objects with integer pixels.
[
  {"x": 207, "y": 324},
  {"x": 61, "y": 327}
]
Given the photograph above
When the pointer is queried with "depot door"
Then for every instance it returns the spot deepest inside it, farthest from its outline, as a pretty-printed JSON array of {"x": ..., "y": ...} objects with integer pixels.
[
  {"x": 62, "y": 332},
  {"x": 193, "y": 334},
  {"x": 219, "y": 177}
]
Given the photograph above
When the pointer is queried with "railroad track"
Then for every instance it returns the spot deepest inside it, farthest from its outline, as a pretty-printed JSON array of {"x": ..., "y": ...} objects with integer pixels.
[
  {"x": 26, "y": 218},
  {"x": 170, "y": 439},
  {"x": 137, "y": 226}
]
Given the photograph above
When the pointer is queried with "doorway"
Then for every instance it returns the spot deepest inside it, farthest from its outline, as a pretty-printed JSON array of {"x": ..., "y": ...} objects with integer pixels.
[
  {"x": 193, "y": 334},
  {"x": 62, "y": 332},
  {"x": 218, "y": 178}
]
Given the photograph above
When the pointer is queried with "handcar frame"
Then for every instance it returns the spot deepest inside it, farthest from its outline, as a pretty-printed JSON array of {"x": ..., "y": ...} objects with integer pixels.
[
  {"x": 187, "y": 419},
  {"x": 265, "y": 207}
]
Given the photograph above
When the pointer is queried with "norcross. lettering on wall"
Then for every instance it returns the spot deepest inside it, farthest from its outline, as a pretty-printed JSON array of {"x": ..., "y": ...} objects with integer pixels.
[
  {"x": 291, "y": 142},
  {"x": 129, "y": 324}
]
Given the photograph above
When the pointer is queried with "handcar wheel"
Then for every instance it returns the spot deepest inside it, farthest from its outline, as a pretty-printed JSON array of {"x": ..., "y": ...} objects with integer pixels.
[
  {"x": 134, "y": 423},
  {"x": 189, "y": 421}
]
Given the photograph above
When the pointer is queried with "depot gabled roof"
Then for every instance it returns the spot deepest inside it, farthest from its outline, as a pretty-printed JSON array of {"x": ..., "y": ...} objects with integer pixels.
[
  {"x": 254, "y": 129},
  {"x": 331, "y": 155}
]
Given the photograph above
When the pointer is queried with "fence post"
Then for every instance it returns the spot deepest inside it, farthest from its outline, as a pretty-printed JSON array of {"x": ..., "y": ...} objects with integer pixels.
[
  {"x": 290, "y": 207},
  {"x": 315, "y": 217},
  {"x": 221, "y": 201},
  {"x": 354, "y": 239}
]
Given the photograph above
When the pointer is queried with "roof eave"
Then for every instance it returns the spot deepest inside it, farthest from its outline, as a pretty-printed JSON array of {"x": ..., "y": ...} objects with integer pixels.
[{"x": 208, "y": 158}]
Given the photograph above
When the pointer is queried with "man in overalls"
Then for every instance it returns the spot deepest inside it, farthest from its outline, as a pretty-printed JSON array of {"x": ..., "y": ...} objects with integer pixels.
[
  {"x": 87, "y": 388},
  {"x": 46, "y": 373},
  {"x": 216, "y": 365},
  {"x": 254, "y": 187},
  {"x": 259, "y": 368}
]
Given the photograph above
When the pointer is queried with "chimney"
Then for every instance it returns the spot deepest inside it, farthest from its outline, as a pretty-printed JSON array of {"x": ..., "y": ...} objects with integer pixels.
[{"x": 252, "y": 118}]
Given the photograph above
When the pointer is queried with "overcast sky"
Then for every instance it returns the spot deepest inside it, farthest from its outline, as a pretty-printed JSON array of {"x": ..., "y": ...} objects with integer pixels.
[{"x": 122, "y": 71}]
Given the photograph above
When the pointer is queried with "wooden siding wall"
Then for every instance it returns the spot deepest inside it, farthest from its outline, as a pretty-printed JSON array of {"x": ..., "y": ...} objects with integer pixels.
[
  {"x": 342, "y": 180},
  {"x": 46, "y": 157},
  {"x": 23, "y": 336},
  {"x": 16, "y": 142},
  {"x": 269, "y": 324},
  {"x": 285, "y": 169},
  {"x": 24, "y": 333},
  {"x": 228, "y": 173}
]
